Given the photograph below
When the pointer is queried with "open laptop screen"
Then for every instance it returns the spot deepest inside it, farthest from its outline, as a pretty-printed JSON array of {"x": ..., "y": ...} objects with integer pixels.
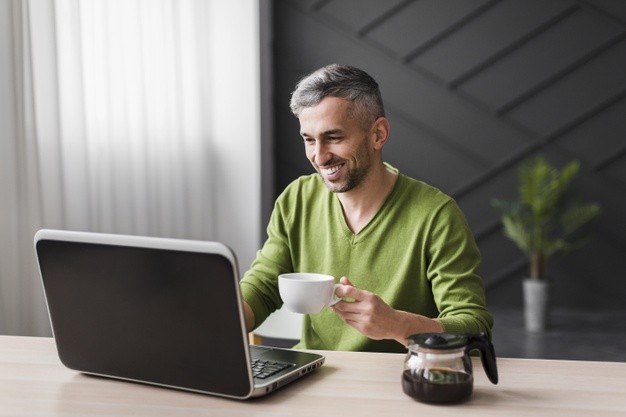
[{"x": 161, "y": 315}]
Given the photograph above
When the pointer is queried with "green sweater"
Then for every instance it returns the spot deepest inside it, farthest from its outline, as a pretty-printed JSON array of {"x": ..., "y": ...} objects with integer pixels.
[{"x": 417, "y": 253}]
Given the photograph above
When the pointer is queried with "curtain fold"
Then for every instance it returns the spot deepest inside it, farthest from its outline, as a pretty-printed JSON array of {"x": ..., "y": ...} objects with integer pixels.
[
  {"x": 21, "y": 306},
  {"x": 106, "y": 127}
]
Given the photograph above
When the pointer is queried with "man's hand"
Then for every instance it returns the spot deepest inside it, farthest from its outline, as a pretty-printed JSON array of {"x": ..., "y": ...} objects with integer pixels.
[{"x": 374, "y": 318}]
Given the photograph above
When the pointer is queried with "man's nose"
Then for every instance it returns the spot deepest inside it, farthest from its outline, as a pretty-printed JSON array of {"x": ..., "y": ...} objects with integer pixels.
[{"x": 321, "y": 153}]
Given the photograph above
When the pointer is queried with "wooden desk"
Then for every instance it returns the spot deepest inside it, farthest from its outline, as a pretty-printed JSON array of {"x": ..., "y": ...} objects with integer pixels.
[{"x": 34, "y": 383}]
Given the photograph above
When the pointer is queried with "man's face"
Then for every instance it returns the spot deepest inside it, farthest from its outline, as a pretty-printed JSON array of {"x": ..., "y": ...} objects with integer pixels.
[{"x": 336, "y": 144}]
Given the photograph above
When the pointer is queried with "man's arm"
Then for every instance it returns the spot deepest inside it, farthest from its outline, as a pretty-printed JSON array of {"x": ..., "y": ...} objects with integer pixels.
[
  {"x": 457, "y": 288},
  {"x": 374, "y": 318}
]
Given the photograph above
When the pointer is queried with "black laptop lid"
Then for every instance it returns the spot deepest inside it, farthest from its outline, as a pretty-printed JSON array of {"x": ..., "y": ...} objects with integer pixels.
[{"x": 160, "y": 311}]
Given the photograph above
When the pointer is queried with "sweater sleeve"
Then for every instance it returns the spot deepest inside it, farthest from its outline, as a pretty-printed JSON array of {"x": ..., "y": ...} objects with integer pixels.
[
  {"x": 454, "y": 258},
  {"x": 259, "y": 285}
]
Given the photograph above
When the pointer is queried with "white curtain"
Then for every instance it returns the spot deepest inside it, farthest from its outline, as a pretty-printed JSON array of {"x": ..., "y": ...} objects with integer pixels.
[{"x": 111, "y": 127}]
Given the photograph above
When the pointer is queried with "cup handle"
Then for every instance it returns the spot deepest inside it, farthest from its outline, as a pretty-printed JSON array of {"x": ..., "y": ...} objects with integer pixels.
[{"x": 334, "y": 299}]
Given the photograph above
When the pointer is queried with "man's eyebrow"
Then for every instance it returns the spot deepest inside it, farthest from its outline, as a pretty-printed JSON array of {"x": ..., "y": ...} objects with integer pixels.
[{"x": 329, "y": 132}]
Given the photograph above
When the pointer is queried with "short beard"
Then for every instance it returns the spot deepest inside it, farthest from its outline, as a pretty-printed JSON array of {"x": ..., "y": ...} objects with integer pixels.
[{"x": 354, "y": 178}]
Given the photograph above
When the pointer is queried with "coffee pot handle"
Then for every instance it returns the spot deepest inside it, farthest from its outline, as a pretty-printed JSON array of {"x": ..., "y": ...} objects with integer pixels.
[{"x": 487, "y": 354}]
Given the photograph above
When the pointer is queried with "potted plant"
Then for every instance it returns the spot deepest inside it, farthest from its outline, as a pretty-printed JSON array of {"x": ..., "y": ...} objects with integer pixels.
[{"x": 544, "y": 221}]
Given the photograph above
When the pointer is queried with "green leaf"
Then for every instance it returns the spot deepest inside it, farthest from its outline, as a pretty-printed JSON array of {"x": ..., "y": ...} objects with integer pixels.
[
  {"x": 516, "y": 230},
  {"x": 577, "y": 216},
  {"x": 544, "y": 220}
]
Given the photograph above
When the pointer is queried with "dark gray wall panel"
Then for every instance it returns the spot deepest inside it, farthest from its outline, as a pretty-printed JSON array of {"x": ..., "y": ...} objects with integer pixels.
[
  {"x": 472, "y": 88},
  {"x": 617, "y": 170},
  {"x": 614, "y": 8},
  {"x": 562, "y": 45},
  {"x": 359, "y": 14},
  {"x": 599, "y": 138},
  {"x": 473, "y": 130},
  {"x": 500, "y": 258},
  {"x": 420, "y": 22},
  {"x": 411, "y": 149},
  {"x": 476, "y": 201},
  {"x": 577, "y": 94},
  {"x": 471, "y": 46}
]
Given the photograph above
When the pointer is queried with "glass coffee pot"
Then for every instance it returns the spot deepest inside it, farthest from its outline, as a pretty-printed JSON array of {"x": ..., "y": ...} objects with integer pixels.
[{"x": 438, "y": 369}]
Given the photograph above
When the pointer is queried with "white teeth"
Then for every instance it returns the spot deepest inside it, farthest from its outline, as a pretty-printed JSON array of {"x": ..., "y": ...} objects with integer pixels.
[{"x": 331, "y": 170}]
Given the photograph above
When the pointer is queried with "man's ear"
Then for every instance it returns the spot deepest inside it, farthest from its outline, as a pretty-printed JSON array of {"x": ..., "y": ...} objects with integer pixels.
[{"x": 381, "y": 131}]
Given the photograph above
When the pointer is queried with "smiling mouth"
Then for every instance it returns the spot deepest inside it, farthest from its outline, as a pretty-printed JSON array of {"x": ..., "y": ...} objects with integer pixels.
[{"x": 327, "y": 172}]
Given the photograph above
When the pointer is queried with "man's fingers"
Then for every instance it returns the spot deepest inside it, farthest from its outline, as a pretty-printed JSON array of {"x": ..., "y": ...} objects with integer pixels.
[
  {"x": 347, "y": 290},
  {"x": 345, "y": 281}
]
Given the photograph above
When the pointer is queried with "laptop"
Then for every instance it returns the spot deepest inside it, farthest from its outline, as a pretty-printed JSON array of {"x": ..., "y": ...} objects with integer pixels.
[{"x": 160, "y": 311}]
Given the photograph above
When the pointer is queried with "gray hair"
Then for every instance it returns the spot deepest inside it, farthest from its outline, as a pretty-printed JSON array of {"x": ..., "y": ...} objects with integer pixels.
[{"x": 341, "y": 81}]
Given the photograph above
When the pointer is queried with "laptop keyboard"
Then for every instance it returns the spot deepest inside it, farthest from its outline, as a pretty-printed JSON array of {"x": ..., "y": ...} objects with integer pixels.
[{"x": 263, "y": 369}]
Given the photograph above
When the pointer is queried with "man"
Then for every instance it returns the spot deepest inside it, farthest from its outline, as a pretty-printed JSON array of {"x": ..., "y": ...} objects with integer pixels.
[{"x": 404, "y": 252}]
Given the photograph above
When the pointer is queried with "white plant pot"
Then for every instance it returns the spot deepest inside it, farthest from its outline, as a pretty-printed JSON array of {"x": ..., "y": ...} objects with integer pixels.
[{"x": 536, "y": 305}]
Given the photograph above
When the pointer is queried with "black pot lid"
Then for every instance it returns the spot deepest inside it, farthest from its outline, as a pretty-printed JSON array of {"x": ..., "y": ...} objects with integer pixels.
[{"x": 441, "y": 341}]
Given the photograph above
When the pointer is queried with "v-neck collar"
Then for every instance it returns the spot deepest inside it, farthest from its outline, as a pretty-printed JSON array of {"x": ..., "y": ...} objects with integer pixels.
[{"x": 340, "y": 217}]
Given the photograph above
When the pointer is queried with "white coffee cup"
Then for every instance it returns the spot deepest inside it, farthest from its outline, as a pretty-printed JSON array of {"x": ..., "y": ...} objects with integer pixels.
[{"x": 307, "y": 293}]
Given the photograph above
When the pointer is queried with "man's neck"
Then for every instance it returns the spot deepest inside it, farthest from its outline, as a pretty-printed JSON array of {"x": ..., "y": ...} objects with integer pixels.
[{"x": 361, "y": 204}]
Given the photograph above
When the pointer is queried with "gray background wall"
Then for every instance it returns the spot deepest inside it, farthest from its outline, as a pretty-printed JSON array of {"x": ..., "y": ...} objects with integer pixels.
[{"x": 472, "y": 88}]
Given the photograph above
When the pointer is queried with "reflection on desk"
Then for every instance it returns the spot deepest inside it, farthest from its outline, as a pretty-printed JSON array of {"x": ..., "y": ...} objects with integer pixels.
[{"x": 34, "y": 383}]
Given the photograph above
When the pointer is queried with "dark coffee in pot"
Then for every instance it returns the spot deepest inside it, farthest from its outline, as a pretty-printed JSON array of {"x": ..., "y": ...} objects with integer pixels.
[{"x": 437, "y": 385}]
